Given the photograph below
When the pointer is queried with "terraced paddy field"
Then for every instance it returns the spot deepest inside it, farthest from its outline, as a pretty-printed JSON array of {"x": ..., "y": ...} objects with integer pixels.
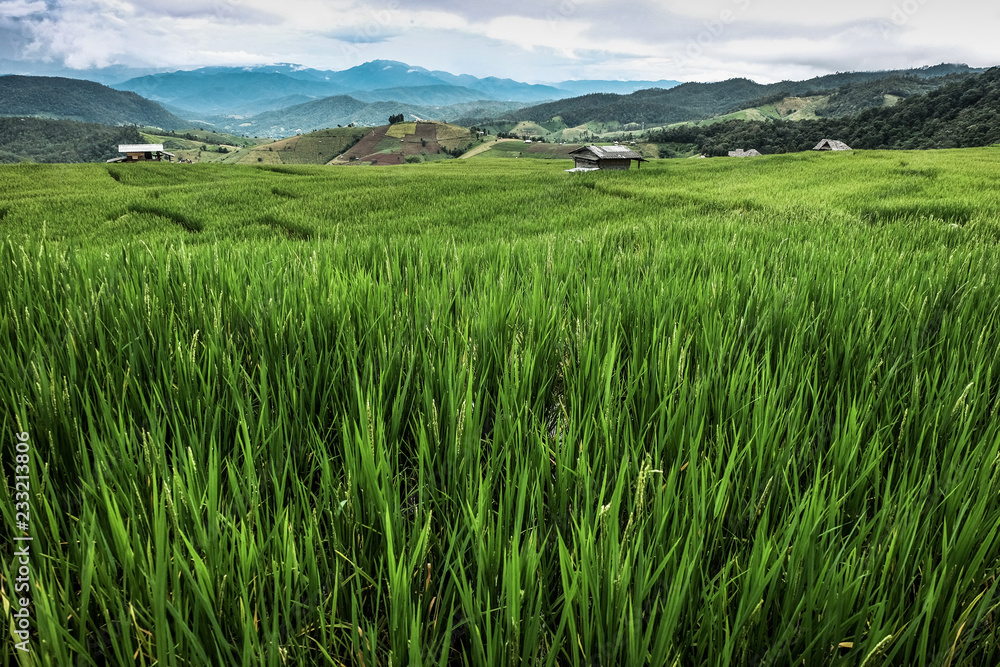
[
  {"x": 392, "y": 144},
  {"x": 714, "y": 412}
]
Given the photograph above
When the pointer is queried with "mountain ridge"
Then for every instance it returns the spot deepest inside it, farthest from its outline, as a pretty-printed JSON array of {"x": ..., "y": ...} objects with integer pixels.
[
  {"x": 964, "y": 113},
  {"x": 693, "y": 101},
  {"x": 193, "y": 89},
  {"x": 84, "y": 101}
]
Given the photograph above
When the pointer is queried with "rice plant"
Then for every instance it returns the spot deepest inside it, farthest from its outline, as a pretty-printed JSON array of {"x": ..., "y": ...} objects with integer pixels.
[{"x": 709, "y": 413}]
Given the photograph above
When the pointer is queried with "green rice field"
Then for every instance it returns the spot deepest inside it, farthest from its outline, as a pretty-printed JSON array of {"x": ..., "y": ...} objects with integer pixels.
[{"x": 713, "y": 412}]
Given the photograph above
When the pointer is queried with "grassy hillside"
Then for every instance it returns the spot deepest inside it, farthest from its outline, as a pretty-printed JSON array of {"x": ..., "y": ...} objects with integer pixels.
[
  {"x": 86, "y": 101},
  {"x": 314, "y": 148},
  {"x": 204, "y": 136},
  {"x": 199, "y": 145},
  {"x": 387, "y": 144},
  {"x": 344, "y": 110},
  {"x": 37, "y": 140},
  {"x": 716, "y": 412},
  {"x": 409, "y": 142},
  {"x": 545, "y": 150}
]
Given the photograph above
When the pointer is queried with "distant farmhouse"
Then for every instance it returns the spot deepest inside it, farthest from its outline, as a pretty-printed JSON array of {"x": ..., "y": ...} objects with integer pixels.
[
  {"x": 739, "y": 152},
  {"x": 590, "y": 158},
  {"x": 143, "y": 153},
  {"x": 832, "y": 145}
]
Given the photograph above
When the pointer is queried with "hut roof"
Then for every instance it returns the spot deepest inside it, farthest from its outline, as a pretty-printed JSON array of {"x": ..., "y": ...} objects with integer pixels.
[
  {"x": 139, "y": 148},
  {"x": 832, "y": 145},
  {"x": 739, "y": 152},
  {"x": 607, "y": 153}
]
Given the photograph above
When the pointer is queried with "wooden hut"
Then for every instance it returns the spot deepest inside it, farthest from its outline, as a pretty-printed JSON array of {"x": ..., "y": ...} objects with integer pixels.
[
  {"x": 832, "y": 145},
  {"x": 593, "y": 157},
  {"x": 143, "y": 153},
  {"x": 739, "y": 152}
]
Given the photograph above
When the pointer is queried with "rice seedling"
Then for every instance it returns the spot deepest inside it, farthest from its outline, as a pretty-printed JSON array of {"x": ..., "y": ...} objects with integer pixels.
[{"x": 482, "y": 413}]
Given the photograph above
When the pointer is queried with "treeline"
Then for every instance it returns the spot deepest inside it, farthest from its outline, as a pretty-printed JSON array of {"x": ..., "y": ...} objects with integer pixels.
[
  {"x": 964, "y": 113},
  {"x": 40, "y": 140}
]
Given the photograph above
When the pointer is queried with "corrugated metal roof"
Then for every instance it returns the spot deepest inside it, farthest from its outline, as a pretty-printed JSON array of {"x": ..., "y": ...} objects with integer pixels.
[
  {"x": 831, "y": 145},
  {"x": 139, "y": 148},
  {"x": 609, "y": 152}
]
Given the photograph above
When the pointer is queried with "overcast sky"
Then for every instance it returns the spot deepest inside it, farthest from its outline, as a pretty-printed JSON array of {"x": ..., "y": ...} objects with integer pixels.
[{"x": 534, "y": 41}]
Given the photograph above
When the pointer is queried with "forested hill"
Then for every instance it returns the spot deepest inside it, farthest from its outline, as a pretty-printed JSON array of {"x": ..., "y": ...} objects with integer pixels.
[
  {"x": 962, "y": 114},
  {"x": 38, "y": 140},
  {"x": 73, "y": 99},
  {"x": 693, "y": 101},
  {"x": 688, "y": 101}
]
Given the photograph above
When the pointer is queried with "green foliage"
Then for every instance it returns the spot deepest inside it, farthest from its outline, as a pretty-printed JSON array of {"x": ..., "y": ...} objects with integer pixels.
[
  {"x": 706, "y": 413},
  {"x": 38, "y": 140},
  {"x": 854, "y": 99},
  {"x": 73, "y": 99},
  {"x": 696, "y": 101},
  {"x": 964, "y": 113}
]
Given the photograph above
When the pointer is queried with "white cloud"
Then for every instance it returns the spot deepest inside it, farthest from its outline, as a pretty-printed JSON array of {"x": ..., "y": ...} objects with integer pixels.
[
  {"x": 534, "y": 40},
  {"x": 17, "y": 9}
]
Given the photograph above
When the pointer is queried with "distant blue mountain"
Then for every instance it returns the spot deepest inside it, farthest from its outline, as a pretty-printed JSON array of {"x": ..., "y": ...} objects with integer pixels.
[
  {"x": 221, "y": 91},
  {"x": 251, "y": 90}
]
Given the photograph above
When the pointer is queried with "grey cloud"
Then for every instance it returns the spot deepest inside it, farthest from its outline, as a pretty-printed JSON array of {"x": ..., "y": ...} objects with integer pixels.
[
  {"x": 485, "y": 11},
  {"x": 360, "y": 35},
  {"x": 12, "y": 40},
  {"x": 15, "y": 9},
  {"x": 16, "y": 32},
  {"x": 232, "y": 12}
]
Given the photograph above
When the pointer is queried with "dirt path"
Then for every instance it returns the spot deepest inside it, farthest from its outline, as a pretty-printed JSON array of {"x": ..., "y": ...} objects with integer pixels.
[{"x": 483, "y": 148}]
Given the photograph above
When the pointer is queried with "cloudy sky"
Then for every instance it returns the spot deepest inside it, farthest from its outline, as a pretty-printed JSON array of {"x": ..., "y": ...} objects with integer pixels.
[{"x": 534, "y": 41}]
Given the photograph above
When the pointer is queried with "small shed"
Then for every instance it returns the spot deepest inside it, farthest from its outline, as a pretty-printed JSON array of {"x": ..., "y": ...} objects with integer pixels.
[
  {"x": 832, "y": 145},
  {"x": 143, "y": 153},
  {"x": 605, "y": 157},
  {"x": 739, "y": 152}
]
